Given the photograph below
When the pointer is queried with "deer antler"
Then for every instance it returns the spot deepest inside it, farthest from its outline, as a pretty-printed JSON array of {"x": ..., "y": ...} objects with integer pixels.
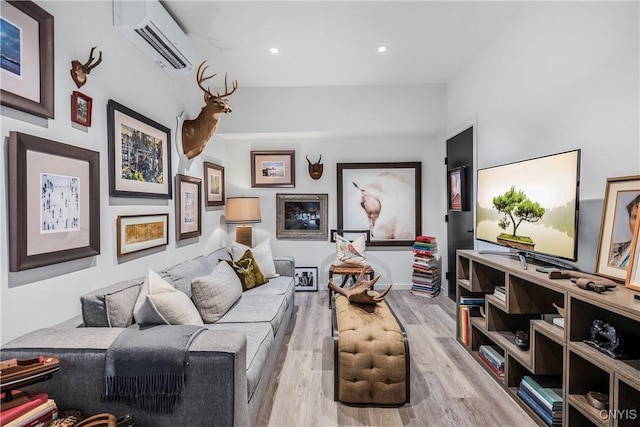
[
  {"x": 201, "y": 78},
  {"x": 87, "y": 65},
  {"x": 358, "y": 293},
  {"x": 226, "y": 91}
]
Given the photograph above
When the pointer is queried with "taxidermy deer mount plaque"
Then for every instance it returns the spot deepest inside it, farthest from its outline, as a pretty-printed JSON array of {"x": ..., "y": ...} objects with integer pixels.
[
  {"x": 79, "y": 72},
  {"x": 315, "y": 169},
  {"x": 197, "y": 132}
]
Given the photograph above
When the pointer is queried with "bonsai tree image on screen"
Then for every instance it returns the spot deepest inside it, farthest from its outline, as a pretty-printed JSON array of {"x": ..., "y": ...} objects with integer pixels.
[{"x": 516, "y": 207}]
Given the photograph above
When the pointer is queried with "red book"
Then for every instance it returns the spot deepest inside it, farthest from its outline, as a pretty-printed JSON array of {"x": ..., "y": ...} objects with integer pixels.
[
  {"x": 464, "y": 325},
  {"x": 47, "y": 410},
  {"x": 491, "y": 365},
  {"x": 425, "y": 239},
  {"x": 11, "y": 414}
]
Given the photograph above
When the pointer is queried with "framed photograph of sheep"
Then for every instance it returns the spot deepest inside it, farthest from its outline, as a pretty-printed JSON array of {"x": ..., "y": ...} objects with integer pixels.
[
  {"x": 302, "y": 216},
  {"x": 384, "y": 198},
  {"x": 306, "y": 279}
]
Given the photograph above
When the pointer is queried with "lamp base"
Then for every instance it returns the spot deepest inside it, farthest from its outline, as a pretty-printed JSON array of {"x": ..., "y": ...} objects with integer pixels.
[{"x": 244, "y": 235}]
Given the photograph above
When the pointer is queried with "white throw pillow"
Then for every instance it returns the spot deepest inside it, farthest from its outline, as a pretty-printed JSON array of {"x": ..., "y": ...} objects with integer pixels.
[
  {"x": 159, "y": 303},
  {"x": 261, "y": 253},
  {"x": 350, "y": 253},
  {"x": 214, "y": 294}
]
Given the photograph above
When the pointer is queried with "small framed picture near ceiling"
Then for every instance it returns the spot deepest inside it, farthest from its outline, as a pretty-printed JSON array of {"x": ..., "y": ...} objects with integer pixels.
[
  {"x": 139, "y": 232},
  {"x": 54, "y": 202},
  {"x": 306, "y": 279},
  {"x": 81, "y": 106},
  {"x": 27, "y": 58},
  {"x": 384, "y": 198},
  {"x": 273, "y": 169},
  {"x": 188, "y": 207},
  {"x": 139, "y": 154},
  {"x": 302, "y": 216},
  {"x": 214, "y": 184}
]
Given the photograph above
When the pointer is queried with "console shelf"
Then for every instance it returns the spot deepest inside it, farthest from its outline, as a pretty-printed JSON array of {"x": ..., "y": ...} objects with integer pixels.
[{"x": 529, "y": 304}]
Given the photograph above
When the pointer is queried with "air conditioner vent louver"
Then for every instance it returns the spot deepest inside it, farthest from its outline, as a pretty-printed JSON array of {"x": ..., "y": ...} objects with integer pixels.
[{"x": 150, "y": 35}]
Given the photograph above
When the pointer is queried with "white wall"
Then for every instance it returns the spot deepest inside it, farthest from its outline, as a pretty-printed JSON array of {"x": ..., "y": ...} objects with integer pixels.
[{"x": 564, "y": 75}]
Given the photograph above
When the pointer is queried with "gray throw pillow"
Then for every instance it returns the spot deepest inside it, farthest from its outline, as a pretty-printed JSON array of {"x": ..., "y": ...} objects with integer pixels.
[{"x": 214, "y": 294}]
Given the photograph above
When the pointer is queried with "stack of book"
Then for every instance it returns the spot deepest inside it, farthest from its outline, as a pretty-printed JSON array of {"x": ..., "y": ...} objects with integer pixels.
[
  {"x": 543, "y": 394},
  {"x": 28, "y": 410},
  {"x": 499, "y": 292},
  {"x": 493, "y": 357},
  {"x": 426, "y": 275},
  {"x": 469, "y": 307}
]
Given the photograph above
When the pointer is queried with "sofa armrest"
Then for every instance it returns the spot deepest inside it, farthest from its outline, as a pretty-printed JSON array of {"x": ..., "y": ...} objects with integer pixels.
[{"x": 285, "y": 265}]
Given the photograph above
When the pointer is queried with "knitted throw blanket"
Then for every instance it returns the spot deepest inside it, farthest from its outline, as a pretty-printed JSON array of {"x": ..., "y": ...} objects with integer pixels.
[{"x": 145, "y": 366}]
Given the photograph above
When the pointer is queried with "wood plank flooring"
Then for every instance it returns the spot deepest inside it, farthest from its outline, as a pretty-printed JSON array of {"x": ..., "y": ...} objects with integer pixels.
[{"x": 448, "y": 387}]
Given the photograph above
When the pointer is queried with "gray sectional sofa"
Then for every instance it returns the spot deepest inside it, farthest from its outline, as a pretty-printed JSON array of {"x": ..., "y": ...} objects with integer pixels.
[{"x": 229, "y": 364}]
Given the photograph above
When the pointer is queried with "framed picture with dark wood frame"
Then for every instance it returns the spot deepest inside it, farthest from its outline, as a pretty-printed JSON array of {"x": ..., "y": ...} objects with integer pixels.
[
  {"x": 306, "y": 279},
  {"x": 81, "y": 106},
  {"x": 27, "y": 58},
  {"x": 139, "y": 154},
  {"x": 214, "y": 184},
  {"x": 385, "y": 198},
  {"x": 54, "y": 202},
  {"x": 273, "y": 168},
  {"x": 302, "y": 216},
  {"x": 188, "y": 207},
  {"x": 140, "y": 232},
  {"x": 619, "y": 214},
  {"x": 633, "y": 271},
  {"x": 457, "y": 189}
]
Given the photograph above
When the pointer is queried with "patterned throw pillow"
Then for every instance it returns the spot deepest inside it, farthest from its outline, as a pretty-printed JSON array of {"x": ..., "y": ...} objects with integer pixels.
[
  {"x": 349, "y": 254},
  {"x": 248, "y": 271},
  {"x": 214, "y": 294}
]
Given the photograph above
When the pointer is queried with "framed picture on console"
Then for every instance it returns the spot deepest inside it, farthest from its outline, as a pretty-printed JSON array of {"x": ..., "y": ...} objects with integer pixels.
[
  {"x": 306, "y": 279},
  {"x": 619, "y": 217}
]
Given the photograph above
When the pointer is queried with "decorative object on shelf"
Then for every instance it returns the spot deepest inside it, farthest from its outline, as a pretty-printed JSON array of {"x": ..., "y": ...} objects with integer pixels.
[
  {"x": 214, "y": 184},
  {"x": 139, "y": 154},
  {"x": 81, "y": 106},
  {"x": 302, "y": 216},
  {"x": 139, "y": 232},
  {"x": 273, "y": 168},
  {"x": 598, "y": 400},
  {"x": 359, "y": 292},
  {"x": 27, "y": 65},
  {"x": 80, "y": 71},
  {"x": 315, "y": 169},
  {"x": 586, "y": 281},
  {"x": 561, "y": 310},
  {"x": 458, "y": 197},
  {"x": 621, "y": 201},
  {"x": 188, "y": 207},
  {"x": 306, "y": 279},
  {"x": 633, "y": 271},
  {"x": 197, "y": 132},
  {"x": 605, "y": 337},
  {"x": 54, "y": 202},
  {"x": 244, "y": 211},
  {"x": 382, "y": 197},
  {"x": 522, "y": 339}
]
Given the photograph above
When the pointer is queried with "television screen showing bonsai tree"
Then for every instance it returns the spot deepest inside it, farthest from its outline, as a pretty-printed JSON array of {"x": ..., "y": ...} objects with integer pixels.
[{"x": 531, "y": 205}]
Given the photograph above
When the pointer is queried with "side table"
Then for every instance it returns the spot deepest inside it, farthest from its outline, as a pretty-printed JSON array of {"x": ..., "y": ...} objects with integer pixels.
[{"x": 348, "y": 273}]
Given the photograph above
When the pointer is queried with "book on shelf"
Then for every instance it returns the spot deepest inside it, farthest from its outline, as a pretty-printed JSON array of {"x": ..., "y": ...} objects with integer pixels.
[
  {"x": 549, "y": 408},
  {"x": 464, "y": 325},
  {"x": 549, "y": 387},
  {"x": 34, "y": 401},
  {"x": 498, "y": 363},
  {"x": 472, "y": 300},
  {"x": 493, "y": 353},
  {"x": 500, "y": 293},
  {"x": 420, "y": 293},
  {"x": 492, "y": 367},
  {"x": 547, "y": 418},
  {"x": 42, "y": 414},
  {"x": 425, "y": 239},
  {"x": 558, "y": 321}
]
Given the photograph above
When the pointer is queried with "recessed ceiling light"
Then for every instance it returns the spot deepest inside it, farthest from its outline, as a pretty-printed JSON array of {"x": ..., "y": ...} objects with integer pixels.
[
  {"x": 382, "y": 49},
  {"x": 274, "y": 50}
]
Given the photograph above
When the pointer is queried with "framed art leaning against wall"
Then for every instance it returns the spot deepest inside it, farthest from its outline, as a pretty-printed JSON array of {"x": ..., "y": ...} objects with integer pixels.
[{"x": 54, "y": 202}]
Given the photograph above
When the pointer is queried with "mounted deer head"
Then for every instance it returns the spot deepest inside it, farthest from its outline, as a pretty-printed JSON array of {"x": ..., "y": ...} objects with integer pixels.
[
  {"x": 315, "y": 169},
  {"x": 79, "y": 72},
  {"x": 197, "y": 132}
]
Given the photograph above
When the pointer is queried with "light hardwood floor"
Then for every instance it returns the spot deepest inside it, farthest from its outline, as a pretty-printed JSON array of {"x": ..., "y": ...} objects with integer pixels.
[{"x": 448, "y": 387}]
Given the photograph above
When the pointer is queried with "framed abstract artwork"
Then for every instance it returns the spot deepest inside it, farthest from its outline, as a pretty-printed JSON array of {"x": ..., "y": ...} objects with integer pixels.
[
  {"x": 139, "y": 154},
  {"x": 273, "y": 168},
  {"x": 27, "y": 64},
  {"x": 619, "y": 217},
  {"x": 384, "y": 198},
  {"x": 302, "y": 216},
  {"x": 81, "y": 106},
  {"x": 306, "y": 279},
  {"x": 139, "y": 232},
  {"x": 188, "y": 207},
  {"x": 213, "y": 184},
  {"x": 54, "y": 202}
]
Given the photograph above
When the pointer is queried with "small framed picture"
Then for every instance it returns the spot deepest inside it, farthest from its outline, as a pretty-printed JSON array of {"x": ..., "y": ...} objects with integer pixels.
[
  {"x": 139, "y": 232},
  {"x": 273, "y": 169},
  {"x": 81, "y": 108},
  {"x": 188, "y": 207},
  {"x": 214, "y": 184},
  {"x": 457, "y": 189},
  {"x": 633, "y": 273},
  {"x": 306, "y": 279}
]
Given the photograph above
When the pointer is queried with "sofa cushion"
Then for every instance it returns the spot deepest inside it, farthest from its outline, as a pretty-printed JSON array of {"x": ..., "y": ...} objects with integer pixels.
[
  {"x": 214, "y": 257},
  {"x": 350, "y": 253},
  {"x": 248, "y": 271},
  {"x": 160, "y": 303},
  {"x": 261, "y": 252},
  {"x": 111, "y": 306},
  {"x": 182, "y": 274},
  {"x": 282, "y": 285},
  {"x": 214, "y": 294},
  {"x": 258, "y": 308}
]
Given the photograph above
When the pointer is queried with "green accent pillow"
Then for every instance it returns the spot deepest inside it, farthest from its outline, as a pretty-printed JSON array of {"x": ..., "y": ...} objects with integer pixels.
[{"x": 248, "y": 271}]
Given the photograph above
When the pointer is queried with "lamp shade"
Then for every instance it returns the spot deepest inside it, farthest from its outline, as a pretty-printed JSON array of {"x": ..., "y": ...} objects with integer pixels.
[{"x": 242, "y": 210}]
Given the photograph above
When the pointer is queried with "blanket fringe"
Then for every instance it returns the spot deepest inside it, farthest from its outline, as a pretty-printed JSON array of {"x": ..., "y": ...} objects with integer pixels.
[{"x": 157, "y": 393}]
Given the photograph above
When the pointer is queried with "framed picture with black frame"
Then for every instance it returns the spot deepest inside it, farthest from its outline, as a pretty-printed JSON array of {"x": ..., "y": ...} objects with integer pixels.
[
  {"x": 188, "y": 207},
  {"x": 457, "y": 189},
  {"x": 306, "y": 279}
]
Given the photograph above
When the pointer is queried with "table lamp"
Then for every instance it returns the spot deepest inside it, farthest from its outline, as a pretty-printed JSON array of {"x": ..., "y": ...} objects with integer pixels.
[{"x": 243, "y": 211}]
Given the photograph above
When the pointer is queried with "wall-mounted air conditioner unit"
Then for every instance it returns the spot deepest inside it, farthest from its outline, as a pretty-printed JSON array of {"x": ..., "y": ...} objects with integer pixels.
[{"x": 150, "y": 27}]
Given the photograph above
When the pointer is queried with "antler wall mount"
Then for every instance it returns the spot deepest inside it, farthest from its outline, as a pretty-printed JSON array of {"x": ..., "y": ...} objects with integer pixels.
[
  {"x": 315, "y": 169},
  {"x": 79, "y": 71}
]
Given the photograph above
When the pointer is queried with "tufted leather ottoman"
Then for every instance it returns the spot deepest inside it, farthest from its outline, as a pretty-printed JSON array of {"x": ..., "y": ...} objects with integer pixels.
[{"x": 371, "y": 354}]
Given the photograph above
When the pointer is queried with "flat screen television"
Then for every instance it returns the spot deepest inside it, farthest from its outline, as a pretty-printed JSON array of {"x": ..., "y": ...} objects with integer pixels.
[{"x": 531, "y": 206}]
